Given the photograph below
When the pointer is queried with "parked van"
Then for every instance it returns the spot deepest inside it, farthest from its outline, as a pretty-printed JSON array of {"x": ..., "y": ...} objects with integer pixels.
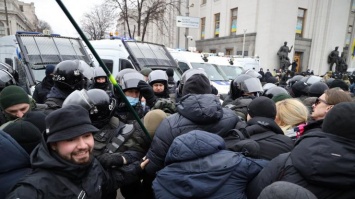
[
  {"x": 29, "y": 52},
  {"x": 247, "y": 63},
  {"x": 187, "y": 60},
  {"x": 226, "y": 65},
  {"x": 119, "y": 54}
]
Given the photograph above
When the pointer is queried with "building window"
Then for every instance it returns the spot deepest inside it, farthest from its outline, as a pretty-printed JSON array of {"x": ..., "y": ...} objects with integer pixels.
[
  {"x": 229, "y": 51},
  {"x": 21, "y": 8},
  {"x": 234, "y": 13},
  {"x": 216, "y": 25},
  {"x": 300, "y": 22},
  {"x": 2, "y": 29},
  {"x": 204, "y": 1},
  {"x": 213, "y": 51},
  {"x": 203, "y": 26}
]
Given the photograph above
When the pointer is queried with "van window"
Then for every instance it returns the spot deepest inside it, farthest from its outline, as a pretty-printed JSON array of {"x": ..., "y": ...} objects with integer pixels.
[
  {"x": 109, "y": 64},
  {"x": 183, "y": 66},
  {"x": 125, "y": 64}
]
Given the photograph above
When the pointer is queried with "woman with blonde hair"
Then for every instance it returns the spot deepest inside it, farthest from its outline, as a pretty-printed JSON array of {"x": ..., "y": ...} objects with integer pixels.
[{"x": 290, "y": 113}]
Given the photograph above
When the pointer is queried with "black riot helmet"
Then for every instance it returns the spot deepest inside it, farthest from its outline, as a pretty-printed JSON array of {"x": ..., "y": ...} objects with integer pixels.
[
  {"x": 186, "y": 75},
  {"x": 275, "y": 91},
  {"x": 252, "y": 73},
  {"x": 267, "y": 86},
  {"x": 294, "y": 79},
  {"x": 244, "y": 84},
  {"x": 96, "y": 101},
  {"x": 317, "y": 89},
  {"x": 130, "y": 80},
  {"x": 6, "y": 79},
  {"x": 70, "y": 75}
]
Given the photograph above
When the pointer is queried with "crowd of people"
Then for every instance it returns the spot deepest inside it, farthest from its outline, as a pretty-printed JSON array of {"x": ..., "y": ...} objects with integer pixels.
[{"x": 273, "y": 136}]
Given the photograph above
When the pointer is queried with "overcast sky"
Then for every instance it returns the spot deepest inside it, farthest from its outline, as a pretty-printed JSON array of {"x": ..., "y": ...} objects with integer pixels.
[{"x": 49, "y": 11}]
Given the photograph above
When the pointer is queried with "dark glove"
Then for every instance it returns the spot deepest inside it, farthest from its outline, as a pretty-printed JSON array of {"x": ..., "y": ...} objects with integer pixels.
[
  {"x": 147, "y": 92},
  {"x": 109, "y": 160}
]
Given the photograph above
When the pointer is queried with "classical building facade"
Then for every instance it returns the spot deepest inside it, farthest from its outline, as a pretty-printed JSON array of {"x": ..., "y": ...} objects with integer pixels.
[
  {"x": 20, "y": 17},
  {"x": 313, "y": 27}
]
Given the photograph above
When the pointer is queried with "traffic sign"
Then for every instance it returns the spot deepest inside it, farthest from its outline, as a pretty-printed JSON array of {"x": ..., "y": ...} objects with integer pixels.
[{"x": 187, "y": 22}]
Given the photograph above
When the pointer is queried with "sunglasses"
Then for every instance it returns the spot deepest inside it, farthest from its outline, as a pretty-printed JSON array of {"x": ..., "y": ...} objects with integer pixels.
[{"x": 318, "y": 101}]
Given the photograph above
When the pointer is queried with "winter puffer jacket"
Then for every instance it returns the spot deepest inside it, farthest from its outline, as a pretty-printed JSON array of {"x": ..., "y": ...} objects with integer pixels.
[
  {"x": 194, "y": 112},
  {"x": 15, "y": 164},
  {"x": 198, "y": 166},
  {"x": 321, "y": 162}
]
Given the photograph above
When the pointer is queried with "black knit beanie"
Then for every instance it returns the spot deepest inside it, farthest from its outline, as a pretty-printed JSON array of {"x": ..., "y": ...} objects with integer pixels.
[
  {"x": 12, "y": 95},
  {"x": 340, "y": 84},
  {"x": 170, "y": 72},
  {"x": 262, "y": 107},
  {"x": 26, "y": 134},
  {"x": 37, "y": 118},
  {"x": 197, "y": 84},
  {"x": 340, "y": 120}
]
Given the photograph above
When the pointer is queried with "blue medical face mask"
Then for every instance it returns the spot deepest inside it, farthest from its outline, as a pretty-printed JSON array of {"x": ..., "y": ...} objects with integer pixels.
[{"x": 132, "y": 101}]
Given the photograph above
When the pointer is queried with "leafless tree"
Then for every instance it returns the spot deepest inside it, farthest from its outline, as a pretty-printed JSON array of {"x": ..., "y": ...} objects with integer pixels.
[
  {"x": 42, "y": 25},
  {"x": 98, "y": 21},
  {"x": 138, "y": 14}
]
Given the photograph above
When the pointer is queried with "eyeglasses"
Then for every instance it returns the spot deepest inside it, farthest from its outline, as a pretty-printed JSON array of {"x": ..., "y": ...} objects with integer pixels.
[{"x": 318, "y": 101}]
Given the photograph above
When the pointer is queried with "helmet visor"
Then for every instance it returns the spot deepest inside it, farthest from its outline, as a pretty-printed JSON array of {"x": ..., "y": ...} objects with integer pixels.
[
  {"x": 79, "y": 98},
  {"x": 130, "y": 80},
  {"x": 5, "y": 78},
  {"x": 313, "y": 79},
  {"x": 251, "y": 85}
]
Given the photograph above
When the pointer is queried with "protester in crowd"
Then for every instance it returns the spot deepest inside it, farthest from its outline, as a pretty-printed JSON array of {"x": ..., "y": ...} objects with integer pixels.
[
  {"x": 197, "y": 109},
  {"x": 317, "y": 89},
  {"x": 199, "y": 166},
  {"x": 299, "y": 90},
  {"x": 15, "y": 163},
  {"x": 338, "y": 83},
  {"x": 68, "y": 76},
  {"x": 262, "y": 128},
  {"x": 268, "y": 74},
  {"x": 42, "y": 89},
  {"x": 290, "y": 113},
  {"x": 322, "y": 106},
  {"x": 64, "y": 164},
  {"x": 116, "y": 143},
  {"x": 14, "y": 102},
  {"x": 261, "y": 72},
  {"x": 171, "y": 81},
  {"x": 322, "y": 161},
  {"x": 25, "y": 133}
]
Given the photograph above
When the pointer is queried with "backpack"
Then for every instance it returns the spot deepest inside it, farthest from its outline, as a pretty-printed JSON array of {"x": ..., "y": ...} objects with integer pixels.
[{"x": 239, "y": 140}]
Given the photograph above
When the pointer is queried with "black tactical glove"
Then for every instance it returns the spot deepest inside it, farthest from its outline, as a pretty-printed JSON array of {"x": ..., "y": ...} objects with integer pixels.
[
  {"x": 147, "y": 92},
  {"x": 109, "y": 160}
]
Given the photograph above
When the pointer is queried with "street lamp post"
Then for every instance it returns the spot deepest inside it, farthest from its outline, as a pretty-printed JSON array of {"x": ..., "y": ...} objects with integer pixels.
[
  {"x": 243, "y": 42},
  {"x": 187, "y": 29},
  {"x": 7, "y": 19}
]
